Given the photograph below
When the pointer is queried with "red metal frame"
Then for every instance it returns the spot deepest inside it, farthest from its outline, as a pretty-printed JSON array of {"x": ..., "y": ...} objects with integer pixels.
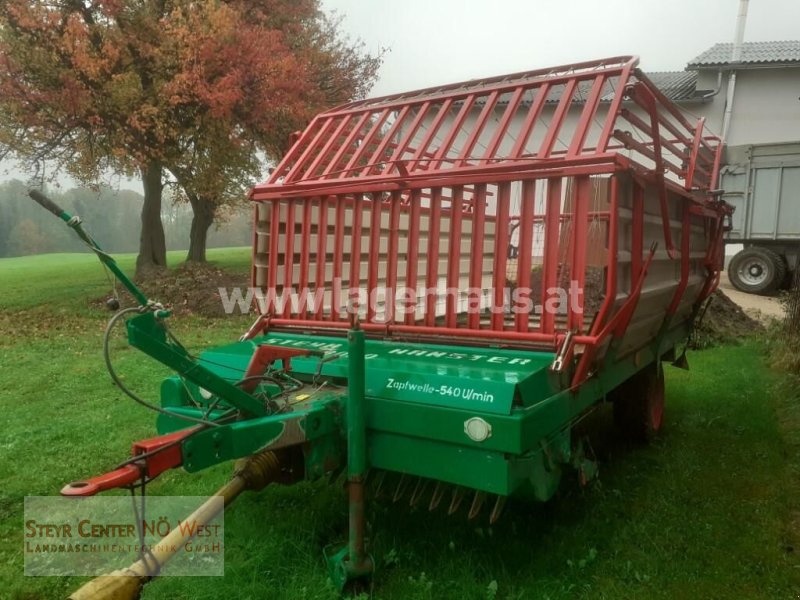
[
  {"x": 156, "y": 455},
  {"x": 455, "y": 155},
  {"x": 264, "y": 355}
]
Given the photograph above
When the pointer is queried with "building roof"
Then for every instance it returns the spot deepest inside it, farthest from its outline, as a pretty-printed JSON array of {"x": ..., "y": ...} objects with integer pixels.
[
  {"x": 753, "y": 53},
  {"x": 675, "y": 85}
]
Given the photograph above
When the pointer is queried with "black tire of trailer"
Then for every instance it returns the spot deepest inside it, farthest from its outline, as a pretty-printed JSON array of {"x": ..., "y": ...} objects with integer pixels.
[
  {"x": 639, "y": 405},
  {"x": 757, "y": 260}
]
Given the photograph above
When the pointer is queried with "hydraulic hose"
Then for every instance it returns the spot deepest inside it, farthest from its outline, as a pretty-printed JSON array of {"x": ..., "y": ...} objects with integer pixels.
[{"x": 115, "y": 378}]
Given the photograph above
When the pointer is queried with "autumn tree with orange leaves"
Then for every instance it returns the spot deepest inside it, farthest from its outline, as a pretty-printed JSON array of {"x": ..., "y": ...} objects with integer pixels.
[{"x": 195, "y": 92}]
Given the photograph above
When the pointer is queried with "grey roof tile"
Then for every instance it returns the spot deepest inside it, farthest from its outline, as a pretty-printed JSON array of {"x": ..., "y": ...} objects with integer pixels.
[
  {"x": 675, "y": 85},
  {"x": 753, "y": 53}
]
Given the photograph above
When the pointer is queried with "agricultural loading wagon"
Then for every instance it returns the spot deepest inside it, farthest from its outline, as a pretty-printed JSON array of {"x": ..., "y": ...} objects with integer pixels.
[{"x": 452, "y": 278}]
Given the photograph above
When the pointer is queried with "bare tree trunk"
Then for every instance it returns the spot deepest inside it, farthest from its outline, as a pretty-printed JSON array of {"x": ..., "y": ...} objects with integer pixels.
[
  {"x": 204, "y": 211},
  {"x": 152, "y": 244}
]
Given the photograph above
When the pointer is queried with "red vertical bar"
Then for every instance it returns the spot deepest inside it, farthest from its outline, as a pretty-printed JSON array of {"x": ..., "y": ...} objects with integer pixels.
[
  {"x": 455, "y": 129},
  {"x": 305, "y": 248},
  {"x": 332, "y": 142},
  {"x": 530, "y": 120},
  {"x": 580, "y": 232},
  {"x": 412, "y": 256},
  {"x": 355, "y": 250},
  {"x": 637, "y": 230},
  {"x": 612, "y": 261},
  {"x": 374, "y": 251},
  {"x": 500, "y": 255},
  {"x": 613, "y": 109},
  {"x": 345, "y": 145},
  {"x": 274, "y": 249},
  {"x": 585, "y": 122},
  {"x": 365, "y": 143},
  {"x": 454, "y": 256},
  {"x": 552, "y": 232},
  {"x": 323, "y": 134},
  {"x": 598, "y": 324},
  {"x": 305, "y": 138},
  {"x": 288, "y": 259},
  {"x": 391, "y": 262},
  {"x": 338, "y": 257},
  {"x": 254, "y": 238},
  {"x": 525, "y": 248},
  {"x": 387, "y": 138},
  {"x": 477, "y": 127},
  {"x": 476, "y": 253},
  {"x": 557, "y": 120},
  {"x": 690, "y": 169},
  {"x": 502, "y": 127},
  {"x": 432, "y": 129},
  {"x": 409, "y": 135},
  {"x": 432, "y": 266},
  {"x": 322, "y": 255},
  {"x": 714, "y": 183}
]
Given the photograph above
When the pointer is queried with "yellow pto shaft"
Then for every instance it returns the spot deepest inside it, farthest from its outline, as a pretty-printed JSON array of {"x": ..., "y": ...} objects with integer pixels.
[{"x": 253, "y": 473}]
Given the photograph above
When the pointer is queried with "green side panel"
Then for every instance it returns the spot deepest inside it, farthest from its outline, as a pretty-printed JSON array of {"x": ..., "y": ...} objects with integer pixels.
[
  {"x": 411, "y": 429},
  {"x": 478, "y": 469},
  {"x": 534, "y": 475},
  {"x": 480, "y": 379},
  {"x": 229, "y": 361},
  {"x": 485, "y": 380},
  {"x": 173, "y": 393},
  {"x": 444, "y": 424}
]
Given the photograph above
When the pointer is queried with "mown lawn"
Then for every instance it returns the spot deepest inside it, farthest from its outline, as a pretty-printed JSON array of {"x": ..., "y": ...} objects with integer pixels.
[{"x": 708, "y": 511}]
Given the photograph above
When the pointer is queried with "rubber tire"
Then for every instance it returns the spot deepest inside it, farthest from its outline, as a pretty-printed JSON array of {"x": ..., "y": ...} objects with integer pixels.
[
  {"x": 774, "y": 262},
  {"x": 639, "y": 405}
]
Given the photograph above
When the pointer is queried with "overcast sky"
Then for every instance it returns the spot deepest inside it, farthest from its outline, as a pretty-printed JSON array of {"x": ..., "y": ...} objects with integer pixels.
[{"x": 442, "y": 41}]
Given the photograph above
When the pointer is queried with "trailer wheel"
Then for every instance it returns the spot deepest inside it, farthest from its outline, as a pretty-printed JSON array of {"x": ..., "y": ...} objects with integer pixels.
[
  {"x": 757, "y": 270},
  {"x": 639, "y": 405}
]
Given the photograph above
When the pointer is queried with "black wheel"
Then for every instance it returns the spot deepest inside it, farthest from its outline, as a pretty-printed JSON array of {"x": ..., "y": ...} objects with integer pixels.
[
  {"x": 757, "y": 270},
  {"x": 639, "y": 404}
]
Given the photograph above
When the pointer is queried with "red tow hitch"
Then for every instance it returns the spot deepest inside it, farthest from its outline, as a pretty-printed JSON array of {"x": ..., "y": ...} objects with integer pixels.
[
  {"x": 266, "y": 354},
  {"x": 157, "y": 455}
]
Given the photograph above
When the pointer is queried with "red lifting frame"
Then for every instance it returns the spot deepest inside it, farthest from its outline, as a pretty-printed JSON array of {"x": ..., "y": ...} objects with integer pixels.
[{"x": 439, "y": 153}]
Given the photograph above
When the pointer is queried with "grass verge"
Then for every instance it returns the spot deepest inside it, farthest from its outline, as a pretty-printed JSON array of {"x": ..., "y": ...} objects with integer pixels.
[{"x": 708, "y": 511}]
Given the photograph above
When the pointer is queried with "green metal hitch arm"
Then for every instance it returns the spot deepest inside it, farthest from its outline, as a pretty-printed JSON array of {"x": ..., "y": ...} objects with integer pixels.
[
  {"x": 147, "y": 332},
  {"x": 74, "y": 222}
]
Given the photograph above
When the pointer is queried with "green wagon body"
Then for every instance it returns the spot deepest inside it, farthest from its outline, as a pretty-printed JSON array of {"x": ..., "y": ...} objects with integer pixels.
[{"x": 420, "y": 398}]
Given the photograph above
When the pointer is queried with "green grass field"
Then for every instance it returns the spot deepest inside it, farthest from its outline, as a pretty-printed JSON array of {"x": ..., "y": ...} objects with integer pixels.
[{"x": 710, "y": 510}]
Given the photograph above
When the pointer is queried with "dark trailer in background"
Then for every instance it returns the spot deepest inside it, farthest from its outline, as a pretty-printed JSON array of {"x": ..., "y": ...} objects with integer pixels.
[{"x": 763, "y": 183}]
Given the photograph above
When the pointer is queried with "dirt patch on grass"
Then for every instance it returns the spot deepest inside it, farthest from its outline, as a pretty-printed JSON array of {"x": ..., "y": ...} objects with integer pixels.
[
  {"x": 190, "y": 289},
  {"x": 723, "y": 322}
]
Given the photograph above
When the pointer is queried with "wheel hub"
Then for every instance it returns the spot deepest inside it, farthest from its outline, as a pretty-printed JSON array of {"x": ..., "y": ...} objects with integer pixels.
[{"x": 753, "y": 271}]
